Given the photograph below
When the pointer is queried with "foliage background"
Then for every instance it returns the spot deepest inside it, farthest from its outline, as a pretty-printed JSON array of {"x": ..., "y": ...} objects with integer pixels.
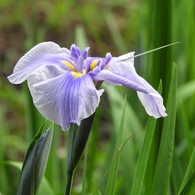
[{"x": 117, "y": 26}]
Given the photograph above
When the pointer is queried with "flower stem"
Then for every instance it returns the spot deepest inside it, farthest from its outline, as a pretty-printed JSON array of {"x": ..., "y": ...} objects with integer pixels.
[
  {"x": 68, "y": 184},
  {"x": 70, "y": 159}
]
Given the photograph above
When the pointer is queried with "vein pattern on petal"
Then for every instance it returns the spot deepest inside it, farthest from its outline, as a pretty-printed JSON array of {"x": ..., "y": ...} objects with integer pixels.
[{"x": 66, "y": 100}]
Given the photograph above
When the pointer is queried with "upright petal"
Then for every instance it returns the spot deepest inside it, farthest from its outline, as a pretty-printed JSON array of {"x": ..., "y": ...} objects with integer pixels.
[
  {"x": 106, "y": 61},
  {"x": 66, "y": 99},
  {"x": 80, "y": 65},
  {"x": 43, "y": 54},
  {"x": 75, "y": 52},
  {"x": 122, "y": 72},
  {"x": 93, "y": 62}
]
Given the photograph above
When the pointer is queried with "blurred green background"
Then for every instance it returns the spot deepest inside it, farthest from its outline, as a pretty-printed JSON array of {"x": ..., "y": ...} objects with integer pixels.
[{"x": 116, "y": 26}]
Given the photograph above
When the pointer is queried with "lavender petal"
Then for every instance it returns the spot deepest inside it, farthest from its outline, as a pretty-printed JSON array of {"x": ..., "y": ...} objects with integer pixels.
[{"x": 66, "y": 99}]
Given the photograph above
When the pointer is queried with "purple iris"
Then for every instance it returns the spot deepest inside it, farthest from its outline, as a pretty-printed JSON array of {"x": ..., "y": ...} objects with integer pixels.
[{"x": 64, "y": 83}]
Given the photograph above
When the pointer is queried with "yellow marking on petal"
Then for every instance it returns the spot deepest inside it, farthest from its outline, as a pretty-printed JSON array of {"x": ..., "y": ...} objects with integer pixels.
[
  {"x": 77, "y": 74},
  {"x": 93, "y": 64},
  {"x": 107, "y": 67},
  {"x": 68, "y": 64}
]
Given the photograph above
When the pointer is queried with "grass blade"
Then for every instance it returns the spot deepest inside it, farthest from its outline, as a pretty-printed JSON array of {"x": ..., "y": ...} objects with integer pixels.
[
  {"x": 164, "y": 161},
  {"x": 144, "y": 154},
  {"x": 176, "y": 172},
  {"x": 187, "y": 129},
  {"x": 120, "y": 149},
  {"x": 186, "y": 91},
  {"x": 143, "y": 158},
  {"x": 189, "y": 186},
  {"x": 162, "y": 22},
  {"x": 110, "y": 188},
  {"x": 115, "y": 33},
  {"x": 80, "y": 37},
  {"x": 190, "y": 169}
]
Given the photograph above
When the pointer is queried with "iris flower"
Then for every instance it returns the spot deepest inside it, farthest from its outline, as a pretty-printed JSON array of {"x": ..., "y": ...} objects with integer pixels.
[{"x": 64, "y": 84}]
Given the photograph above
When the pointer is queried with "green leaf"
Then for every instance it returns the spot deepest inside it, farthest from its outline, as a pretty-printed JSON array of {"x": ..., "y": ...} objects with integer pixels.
[
  {"x": 189, "y": 171},
  {"x": 185, "y": 91},
  {"x": 187, "y": 129},
  {"x": 44, "y": 188},
  {"x": 176, "y": 172},
  {"x": 80, "y": 36},
  {"x": 119, "y": 151},
  {"x": 81, "y": 137},
  {"x": 189, "y": 186},
  {"x": 164, "y": 161},
  {"x": 162, "y": 60},
  {"x": 110, "y": 188},
  {"x": 132, "y": 125},
  {"x": 144, "y": 154},
  {"x": 132, "y": 122},
  {"x": 35, "y": 162},
  {"x": 115, "y": 32}
]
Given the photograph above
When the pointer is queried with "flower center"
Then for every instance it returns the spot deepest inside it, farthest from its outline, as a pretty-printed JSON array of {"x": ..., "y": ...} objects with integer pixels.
[{"x": 78, "y": 74}]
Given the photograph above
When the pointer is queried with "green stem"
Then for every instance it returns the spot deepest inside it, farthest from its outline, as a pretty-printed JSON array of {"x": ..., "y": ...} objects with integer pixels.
[
  {"x": 68, "y": 184},
  {"x": 70, "y": 159}
]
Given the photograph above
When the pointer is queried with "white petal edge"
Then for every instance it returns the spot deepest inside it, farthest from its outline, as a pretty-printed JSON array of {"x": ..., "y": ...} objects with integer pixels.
[
  {"x": 43, "y": 54},
  {"x": 39, "y": 50},
  {"x": 153, "y": 104}
]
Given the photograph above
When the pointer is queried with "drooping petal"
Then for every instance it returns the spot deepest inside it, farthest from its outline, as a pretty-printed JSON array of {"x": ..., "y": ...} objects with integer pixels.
[
  {"x": 152, "y": 102},
  {"x": 122, "y": 72},
  {"x": 111, "y": 78},
  {"x": 43, "y": 74},
  {"x": 43, "y": 54},
  {"x": 66, "y": 99}
]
